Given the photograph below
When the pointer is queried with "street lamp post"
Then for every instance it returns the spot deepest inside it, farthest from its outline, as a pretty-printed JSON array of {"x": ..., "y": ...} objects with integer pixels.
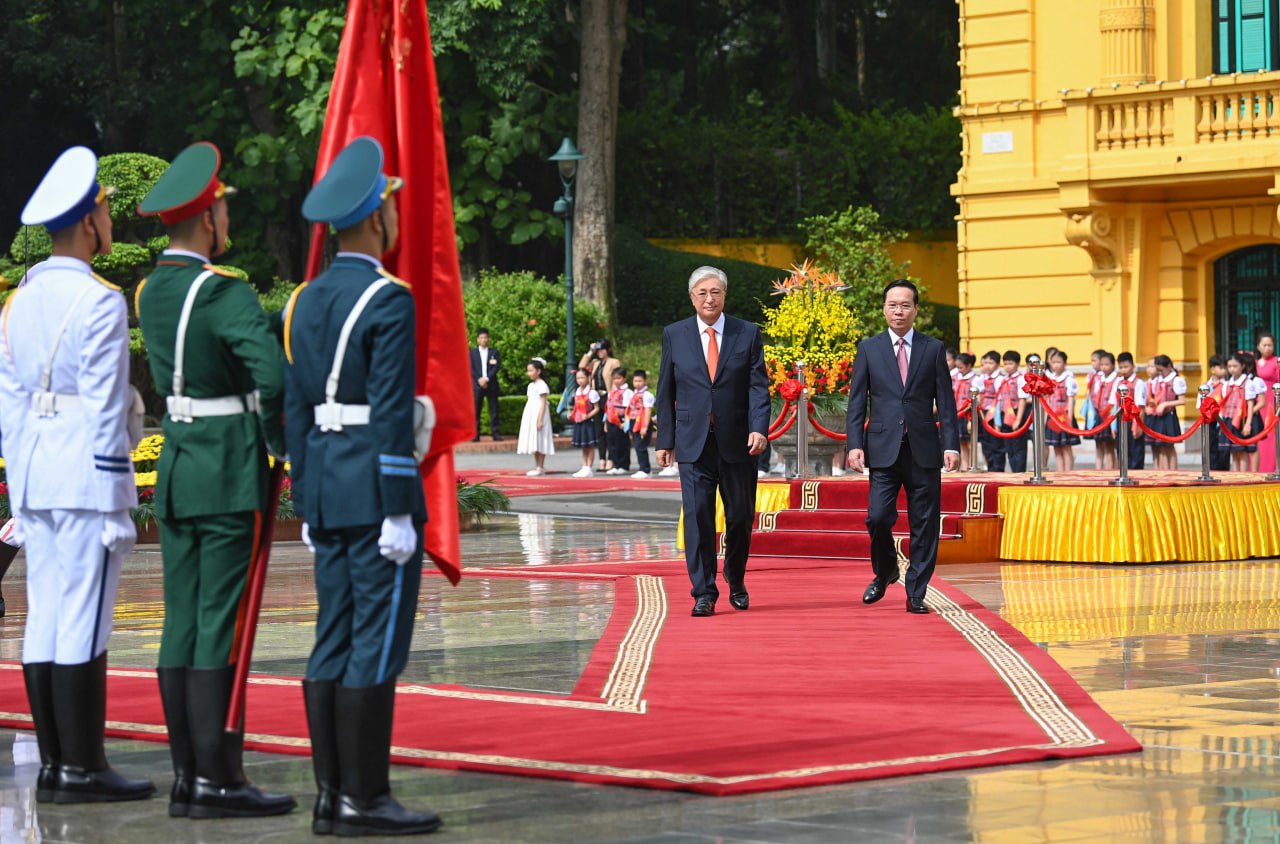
[{"x": 566, "y": 159}]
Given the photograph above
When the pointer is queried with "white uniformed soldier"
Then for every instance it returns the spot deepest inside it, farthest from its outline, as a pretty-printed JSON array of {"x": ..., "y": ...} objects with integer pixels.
[{"x": 64, "y": 404}]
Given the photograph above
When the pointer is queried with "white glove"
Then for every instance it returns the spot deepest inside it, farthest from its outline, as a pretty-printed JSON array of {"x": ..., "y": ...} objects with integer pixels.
[
  {"x": 306, "y": 538},
  {"x": 15, "y": 537},
  {"x": 118, "y": 532},
  {"x": 399, "y": 540}
]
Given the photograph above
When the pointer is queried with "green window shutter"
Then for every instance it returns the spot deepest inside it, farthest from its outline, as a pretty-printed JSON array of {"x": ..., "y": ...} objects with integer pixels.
[{"x": 1253, "y": 35}]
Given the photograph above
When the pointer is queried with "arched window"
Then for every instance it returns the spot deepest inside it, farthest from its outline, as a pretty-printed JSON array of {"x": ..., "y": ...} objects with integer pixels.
[
  {"x": 1247, "y": 284},
  {"x": 1246, "y": 35}
]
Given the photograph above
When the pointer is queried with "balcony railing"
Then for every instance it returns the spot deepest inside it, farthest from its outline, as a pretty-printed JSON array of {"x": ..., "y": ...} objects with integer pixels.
[{"x": 1216, "y": 110}]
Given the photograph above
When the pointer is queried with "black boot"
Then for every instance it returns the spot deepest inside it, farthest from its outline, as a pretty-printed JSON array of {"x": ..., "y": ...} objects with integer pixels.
[
  {"x": 366, "y": 806},
  {"x": 221, "y": 789},
  {"x": 39, "y": 677},
  {"x": 173, "y": 697},
  {"x": 324, "y": 751},
  {"x": 7, "y": 553},
  {"x": 80, "y": 709}
]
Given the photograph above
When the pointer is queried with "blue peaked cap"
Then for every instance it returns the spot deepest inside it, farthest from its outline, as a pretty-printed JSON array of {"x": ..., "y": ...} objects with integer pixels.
[{"x": 353, "y": 188}]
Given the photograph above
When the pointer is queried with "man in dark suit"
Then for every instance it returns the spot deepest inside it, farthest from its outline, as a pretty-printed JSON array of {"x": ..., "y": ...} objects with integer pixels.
[
  {"x": 900, "y": 378},
  {"x": 713, "y": 412},
  {"x": 484, "y": 381}
]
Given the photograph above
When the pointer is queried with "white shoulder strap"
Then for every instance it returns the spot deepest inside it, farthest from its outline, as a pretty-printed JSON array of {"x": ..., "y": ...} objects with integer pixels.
[
  {"x": 47, "y": 378},
  {"x": 331, "y": 383},
  {"x": 180, "y": 350}
]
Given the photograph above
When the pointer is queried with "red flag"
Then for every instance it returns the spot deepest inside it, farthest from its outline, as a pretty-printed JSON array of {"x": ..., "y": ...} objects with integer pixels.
[{"x": 385, "y": 86}]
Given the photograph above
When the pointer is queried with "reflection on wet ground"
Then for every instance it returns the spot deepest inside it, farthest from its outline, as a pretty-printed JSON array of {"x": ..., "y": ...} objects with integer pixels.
[{"x": 1185, "y": 656}]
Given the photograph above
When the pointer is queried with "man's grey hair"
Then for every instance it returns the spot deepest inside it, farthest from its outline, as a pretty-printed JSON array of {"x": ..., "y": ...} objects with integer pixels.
[{"x": 709, "y": 272}]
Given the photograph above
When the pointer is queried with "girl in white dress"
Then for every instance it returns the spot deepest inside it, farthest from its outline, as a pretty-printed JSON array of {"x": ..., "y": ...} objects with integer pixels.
[{"x": 535, "y": 424}]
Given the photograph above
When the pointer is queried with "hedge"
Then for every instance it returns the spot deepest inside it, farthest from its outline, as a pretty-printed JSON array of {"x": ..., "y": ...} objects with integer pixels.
[{"x": 653, "y": 283}]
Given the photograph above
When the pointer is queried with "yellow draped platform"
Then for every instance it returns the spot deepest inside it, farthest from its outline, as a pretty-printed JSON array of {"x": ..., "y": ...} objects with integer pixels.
[
  {"x": 1102, "y": 524},
  {"x": 770, "y": 495}
]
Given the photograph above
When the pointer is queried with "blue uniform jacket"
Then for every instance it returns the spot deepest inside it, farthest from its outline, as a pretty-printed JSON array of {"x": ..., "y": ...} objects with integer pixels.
[{"x": 361, "y": 474}]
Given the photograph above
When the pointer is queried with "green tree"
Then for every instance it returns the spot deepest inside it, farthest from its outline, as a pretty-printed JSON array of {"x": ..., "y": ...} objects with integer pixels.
[{"x": 855, "y": 245}]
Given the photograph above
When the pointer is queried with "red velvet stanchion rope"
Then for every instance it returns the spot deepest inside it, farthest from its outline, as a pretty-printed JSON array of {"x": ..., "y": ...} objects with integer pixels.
[
  {"x": 791, "y": 420},
  {"x": 1058, "y": 425},
  {"x": 813, "y": 420},
  {"x": 963, "y": 410},
  {"x": 1011, "y": 435},
  {"x": 1256, "y": 438},
  {"x": 782, "y": 417},
  {"x": 1133, "y": 413}
]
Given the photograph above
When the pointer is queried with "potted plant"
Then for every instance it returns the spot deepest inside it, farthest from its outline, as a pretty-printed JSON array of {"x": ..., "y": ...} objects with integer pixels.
[{"x": 811, "y": 324}]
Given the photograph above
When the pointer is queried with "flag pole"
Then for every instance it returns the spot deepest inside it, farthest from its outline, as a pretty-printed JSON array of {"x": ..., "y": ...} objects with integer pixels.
[{"x": 253, "y": 600}]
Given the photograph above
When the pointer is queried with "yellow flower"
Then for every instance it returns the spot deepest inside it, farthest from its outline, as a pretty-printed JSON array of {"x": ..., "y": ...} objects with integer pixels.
[{"x": 142, "y": 480}]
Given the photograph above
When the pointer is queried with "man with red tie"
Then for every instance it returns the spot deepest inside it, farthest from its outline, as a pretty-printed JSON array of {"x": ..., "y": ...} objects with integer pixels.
[
  {"x": 713, "y": 413},
  {"x": 902, "y": 424}
]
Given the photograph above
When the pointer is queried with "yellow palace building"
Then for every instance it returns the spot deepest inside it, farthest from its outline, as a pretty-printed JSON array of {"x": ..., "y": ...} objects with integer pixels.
[{"x": 1120, "y": 176}]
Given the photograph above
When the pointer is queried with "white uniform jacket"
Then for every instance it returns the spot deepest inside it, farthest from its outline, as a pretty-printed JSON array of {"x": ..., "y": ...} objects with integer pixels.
[{"x": 78, "y": 458}]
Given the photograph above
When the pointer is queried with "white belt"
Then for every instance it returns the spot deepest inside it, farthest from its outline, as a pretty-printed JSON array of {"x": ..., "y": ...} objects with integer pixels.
[
  {"x": 51, "y": 404},
  {"x": 332, "y": 416},
  {"x": 188, "y": 409}
]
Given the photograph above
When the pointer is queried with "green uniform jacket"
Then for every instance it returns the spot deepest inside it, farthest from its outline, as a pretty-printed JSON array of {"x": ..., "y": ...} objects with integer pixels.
[{"x": 213, "y": 464}]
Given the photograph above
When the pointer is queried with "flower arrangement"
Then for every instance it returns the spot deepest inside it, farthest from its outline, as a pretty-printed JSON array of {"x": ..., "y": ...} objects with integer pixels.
[{"x": 813, "y": 324}]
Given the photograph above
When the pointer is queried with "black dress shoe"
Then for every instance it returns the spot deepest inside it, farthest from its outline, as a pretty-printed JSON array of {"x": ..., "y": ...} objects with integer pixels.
[
  {"x": 475, "y": 439},
  {"x": 497, "y": 438},
  {"x": 738, "y": 598},
  {"x": 876, "y": 589},
  {"x": 704, "y": 606},
  {"x": 916, "y": 606}
]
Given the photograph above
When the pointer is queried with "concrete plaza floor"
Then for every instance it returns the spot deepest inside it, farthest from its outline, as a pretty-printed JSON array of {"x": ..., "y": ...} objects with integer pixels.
[{"x": 1185, "y": 656}]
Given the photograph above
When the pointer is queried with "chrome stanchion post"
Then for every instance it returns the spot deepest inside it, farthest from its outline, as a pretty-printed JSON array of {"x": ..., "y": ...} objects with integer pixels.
[
  {"x": 802, "y": 424},
  {"x": 1122, "y": 441},
  {"x": 1038, "y": 422},
  {"x": 975, "y": 420},
  {"x": 1205, "y": 431},
  {"x": 1275, "y": 410}
]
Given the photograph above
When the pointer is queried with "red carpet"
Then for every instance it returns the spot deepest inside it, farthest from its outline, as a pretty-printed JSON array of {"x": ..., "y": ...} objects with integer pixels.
[
  {"x": 807, "y": 687},
  {"x": 515, "y": 483}
]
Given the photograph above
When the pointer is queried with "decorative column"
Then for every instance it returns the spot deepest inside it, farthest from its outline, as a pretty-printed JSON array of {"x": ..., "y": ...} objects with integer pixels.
[{"x": 1128, "y": 40}]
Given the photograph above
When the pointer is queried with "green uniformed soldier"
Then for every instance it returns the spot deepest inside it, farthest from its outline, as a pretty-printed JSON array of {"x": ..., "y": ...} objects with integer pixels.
[
  {"x": 216, "y": 361},
  {"x": 357, "y": 485}
]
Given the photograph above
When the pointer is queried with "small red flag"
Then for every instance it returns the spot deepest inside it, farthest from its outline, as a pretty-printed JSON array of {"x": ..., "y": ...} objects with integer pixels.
[{"x": 385, "y": 86}]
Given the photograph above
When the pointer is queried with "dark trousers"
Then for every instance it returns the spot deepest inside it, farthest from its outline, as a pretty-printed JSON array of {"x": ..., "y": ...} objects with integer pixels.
[
  {"x": 619, "y": 442},
  {"x": 489, "y": 393},
  {"x": 992, "y": 450},
  {"x": 642, "y": 449},
  {"x": 1219, "y": 457},
  {"x": 1137, "y": 448},
  {"x": 698, "y": 483},
  {"x": 206, "y": 566},
  {"x": 924, "y": 505},
  {"x": 1015, "y": 450},
  {"x": 367, "y": 605}
]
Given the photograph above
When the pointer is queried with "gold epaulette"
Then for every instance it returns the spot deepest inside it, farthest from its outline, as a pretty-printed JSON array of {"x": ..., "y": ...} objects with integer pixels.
[
  {"x": 104, "y": 282},
  {"x": 288, "y": 319},
  {"x": 220, "y": 271},
  {"x": 137, "y": 297},
  {"x": 382, "y": 272}
]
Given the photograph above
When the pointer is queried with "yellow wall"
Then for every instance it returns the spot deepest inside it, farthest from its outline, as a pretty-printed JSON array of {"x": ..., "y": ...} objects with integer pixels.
[
  {"x": 1103, "y": 171},
  {"x": 932, "y": 259}
]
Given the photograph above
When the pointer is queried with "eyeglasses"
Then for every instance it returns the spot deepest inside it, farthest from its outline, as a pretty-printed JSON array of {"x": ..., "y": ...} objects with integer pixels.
[
  {"x": 707, "y": 294},
  {"x": 895, "y": 307}
]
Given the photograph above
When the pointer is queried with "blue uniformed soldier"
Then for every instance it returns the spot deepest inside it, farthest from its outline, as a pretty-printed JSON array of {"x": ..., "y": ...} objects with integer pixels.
[
  {"x": 349, "y": 411},
  {"x": 64, "y": 406}
]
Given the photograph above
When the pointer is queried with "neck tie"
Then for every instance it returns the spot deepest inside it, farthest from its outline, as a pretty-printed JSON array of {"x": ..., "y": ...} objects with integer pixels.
[
  {"x": 902, "y": 359},
  {"x": 713, "y": 353}
]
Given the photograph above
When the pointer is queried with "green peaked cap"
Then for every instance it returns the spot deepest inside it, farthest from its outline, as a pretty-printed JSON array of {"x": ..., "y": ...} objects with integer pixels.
[{"x": 189, "y": 186}]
